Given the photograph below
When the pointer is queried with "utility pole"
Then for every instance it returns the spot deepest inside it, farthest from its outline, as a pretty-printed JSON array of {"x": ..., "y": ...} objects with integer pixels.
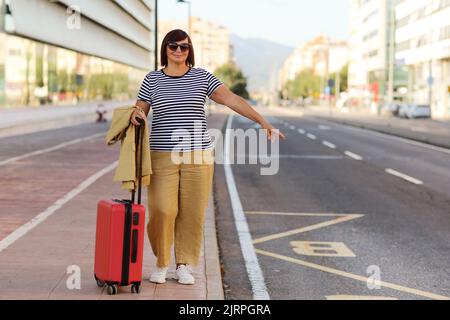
[
  {"x": 189, "y": 14},
  {"x": 337, "y": 86},
  {"x": 390, "y": 95}
]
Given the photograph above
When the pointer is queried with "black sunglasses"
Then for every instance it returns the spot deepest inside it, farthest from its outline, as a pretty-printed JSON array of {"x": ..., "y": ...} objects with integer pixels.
[{"x": 183, "y": 47}]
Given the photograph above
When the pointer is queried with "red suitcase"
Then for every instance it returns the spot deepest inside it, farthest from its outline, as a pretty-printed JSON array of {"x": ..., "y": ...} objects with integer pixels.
[{"x": 120, "y": 239}]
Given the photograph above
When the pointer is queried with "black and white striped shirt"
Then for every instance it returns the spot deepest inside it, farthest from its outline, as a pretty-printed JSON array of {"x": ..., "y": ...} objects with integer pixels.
[{"x": 178, "y": 103}]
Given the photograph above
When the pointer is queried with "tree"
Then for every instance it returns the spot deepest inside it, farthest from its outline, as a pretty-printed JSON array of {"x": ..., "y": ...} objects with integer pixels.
[
  {"x": 305, "y": 84},
  {"x": 343, "y": 78},
  {"x": 233, "y": 78}
]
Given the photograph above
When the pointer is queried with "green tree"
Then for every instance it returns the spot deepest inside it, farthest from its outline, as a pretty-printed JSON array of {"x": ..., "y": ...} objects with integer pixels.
[
  {"x": 305, "y": 84},
  {"x": 233, "y": 78},
  {"x": 343, "y": 78}
]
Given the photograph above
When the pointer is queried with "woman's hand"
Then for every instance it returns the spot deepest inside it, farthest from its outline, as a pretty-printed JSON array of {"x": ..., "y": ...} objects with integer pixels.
[
  {"x": 138, "y": 113},
  {"x": 271, "y": 130}
]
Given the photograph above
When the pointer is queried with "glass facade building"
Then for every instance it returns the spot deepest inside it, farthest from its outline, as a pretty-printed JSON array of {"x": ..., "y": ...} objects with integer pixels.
[{"x": 57, "y": 65}]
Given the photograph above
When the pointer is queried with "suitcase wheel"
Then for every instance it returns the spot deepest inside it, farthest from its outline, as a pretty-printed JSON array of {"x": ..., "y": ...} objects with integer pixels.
[
  {"x": 135, "y": 288},
  {"x": 112, "y": 289}
]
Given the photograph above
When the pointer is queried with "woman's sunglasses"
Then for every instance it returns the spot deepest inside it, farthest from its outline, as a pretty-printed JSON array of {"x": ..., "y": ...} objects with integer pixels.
[{"x": 174, "y": 46}]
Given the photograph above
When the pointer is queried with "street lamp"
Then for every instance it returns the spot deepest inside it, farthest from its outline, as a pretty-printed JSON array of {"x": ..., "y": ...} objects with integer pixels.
[{"x": 189, "y": 12}]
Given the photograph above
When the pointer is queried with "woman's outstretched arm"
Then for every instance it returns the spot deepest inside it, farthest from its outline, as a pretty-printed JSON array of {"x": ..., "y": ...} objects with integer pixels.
[{"x": 224, "y": 96}]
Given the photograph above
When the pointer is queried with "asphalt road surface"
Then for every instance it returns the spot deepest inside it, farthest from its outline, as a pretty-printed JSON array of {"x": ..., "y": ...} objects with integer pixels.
[{"x": 351, "y": 214}]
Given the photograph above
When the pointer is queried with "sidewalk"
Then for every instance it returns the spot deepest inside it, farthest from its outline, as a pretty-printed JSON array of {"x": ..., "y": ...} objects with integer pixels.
[
  {"x": 35, "y": 265},
  {"x": 22, "y": 120},
  {"x": 422, "y": 130}
]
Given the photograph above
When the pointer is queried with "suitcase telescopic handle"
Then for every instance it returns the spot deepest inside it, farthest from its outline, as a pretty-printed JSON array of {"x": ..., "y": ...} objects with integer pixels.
[{"x": 139, "y": 144}]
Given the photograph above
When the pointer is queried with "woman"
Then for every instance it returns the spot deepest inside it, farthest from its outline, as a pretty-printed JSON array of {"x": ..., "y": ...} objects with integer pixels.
[{"x": 178, "y": 192}]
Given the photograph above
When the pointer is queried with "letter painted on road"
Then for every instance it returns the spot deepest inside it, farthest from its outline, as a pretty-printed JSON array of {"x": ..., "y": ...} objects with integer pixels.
[{"x": 322, "y": 249}]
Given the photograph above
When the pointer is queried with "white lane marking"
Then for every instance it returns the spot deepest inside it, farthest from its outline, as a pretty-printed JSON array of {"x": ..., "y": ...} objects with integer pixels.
[
  {"x": 301, "y": 131},
  {"x": 59, "y": 146},
  {"x": 22, "y": 230},
  {"x": 254, "y": 271},
  {"x": 292, "y": 127},
  {"x": 403, "y": 176},
  {"x": 353, "y": 155},
  {"x": 311, "y": 136},
  {"x": 322, "y": 127},
  {"x": 329, "y": 144}
]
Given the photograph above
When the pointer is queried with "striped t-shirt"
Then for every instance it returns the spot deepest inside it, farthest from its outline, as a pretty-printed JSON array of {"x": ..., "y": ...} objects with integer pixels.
[{"x": 178, "y": 103}]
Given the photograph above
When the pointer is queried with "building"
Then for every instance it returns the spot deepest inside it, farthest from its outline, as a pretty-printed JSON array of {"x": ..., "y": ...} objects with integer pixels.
[
  {"x": 73, "y": 50},
  {"x": 371, "y": 55},
  {"x": 423, "y": 46},
  {"x": 321, "y": 55},
  {"x": 211, "y": 41}
]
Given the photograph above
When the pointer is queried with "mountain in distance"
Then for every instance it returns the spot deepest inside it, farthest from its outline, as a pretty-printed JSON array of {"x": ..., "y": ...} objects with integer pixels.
[{"x": 260, "y": 61}]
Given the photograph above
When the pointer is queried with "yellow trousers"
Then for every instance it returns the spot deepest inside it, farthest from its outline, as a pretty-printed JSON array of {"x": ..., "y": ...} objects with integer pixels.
[{"x": 177, "y": 200}]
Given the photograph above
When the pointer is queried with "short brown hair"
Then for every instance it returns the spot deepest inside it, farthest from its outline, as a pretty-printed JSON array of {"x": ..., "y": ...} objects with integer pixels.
[{"x": 173, "y": 36}]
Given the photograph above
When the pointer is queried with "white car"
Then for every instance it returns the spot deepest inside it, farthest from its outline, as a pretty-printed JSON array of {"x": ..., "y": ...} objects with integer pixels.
[{"x": 412, "y": 111}]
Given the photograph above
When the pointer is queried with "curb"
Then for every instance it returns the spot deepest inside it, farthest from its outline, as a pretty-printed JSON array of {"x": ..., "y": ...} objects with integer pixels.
[
  {"x": 30, "y": 120},
  {"x": 214, "y": 289}
]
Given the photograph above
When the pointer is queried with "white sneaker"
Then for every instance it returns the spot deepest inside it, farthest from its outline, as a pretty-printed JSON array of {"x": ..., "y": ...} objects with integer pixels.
[
  {"x": 184, "y": 275},
  {"x": 159, "y": 275}
]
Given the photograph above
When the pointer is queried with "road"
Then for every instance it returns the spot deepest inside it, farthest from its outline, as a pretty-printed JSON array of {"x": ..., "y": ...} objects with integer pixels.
[{"x": 347, "y": 207}]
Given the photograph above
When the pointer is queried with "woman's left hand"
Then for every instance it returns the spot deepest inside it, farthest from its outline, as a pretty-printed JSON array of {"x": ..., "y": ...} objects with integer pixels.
[{"x": 271, "y": 130}]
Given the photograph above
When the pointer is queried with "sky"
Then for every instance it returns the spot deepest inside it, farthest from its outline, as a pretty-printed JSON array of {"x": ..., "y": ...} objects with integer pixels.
[{"x": 288, "y": 22}]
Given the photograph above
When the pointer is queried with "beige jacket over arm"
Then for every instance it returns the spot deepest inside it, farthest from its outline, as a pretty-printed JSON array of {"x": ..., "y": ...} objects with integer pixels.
[{"x": 122, "y": 129}]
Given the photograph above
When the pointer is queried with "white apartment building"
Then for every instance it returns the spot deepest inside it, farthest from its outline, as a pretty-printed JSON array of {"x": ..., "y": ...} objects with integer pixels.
[
  {"x": 423, "y": 45},
  {"x": 321, "y": 55},
  {"x": 369, "y": 44}
]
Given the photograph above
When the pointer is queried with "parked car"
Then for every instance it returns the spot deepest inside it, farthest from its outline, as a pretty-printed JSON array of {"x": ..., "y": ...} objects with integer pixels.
[{"x": 412, "y": 111}]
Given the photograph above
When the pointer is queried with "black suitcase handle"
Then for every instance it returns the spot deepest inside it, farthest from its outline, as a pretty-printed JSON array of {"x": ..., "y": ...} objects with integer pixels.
[{"x": 139, "y": 144}]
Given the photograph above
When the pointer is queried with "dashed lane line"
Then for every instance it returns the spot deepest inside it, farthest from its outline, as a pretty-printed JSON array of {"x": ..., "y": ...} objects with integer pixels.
[
  {"x": 329, "y": 144},
  {"x": 404, "y": 176},
  {"x": 353, "y": 155}
]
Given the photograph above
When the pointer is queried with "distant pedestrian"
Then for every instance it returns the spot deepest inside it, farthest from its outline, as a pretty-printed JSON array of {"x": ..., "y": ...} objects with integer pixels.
[
  {"x": 178, "y": 192},
  {"x": 101, "y": 112}
]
